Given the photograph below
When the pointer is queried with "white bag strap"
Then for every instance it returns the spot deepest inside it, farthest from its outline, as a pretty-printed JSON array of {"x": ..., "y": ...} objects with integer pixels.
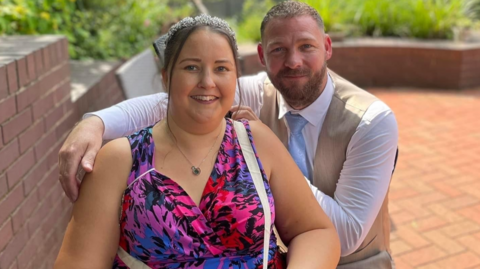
[
  {"x": 254, "y": 169},
  {"x": 130, "y": 261}
]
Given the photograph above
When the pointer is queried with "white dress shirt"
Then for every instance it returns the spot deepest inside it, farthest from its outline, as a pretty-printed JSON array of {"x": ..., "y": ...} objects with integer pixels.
[{"x": 365, "y": 176}]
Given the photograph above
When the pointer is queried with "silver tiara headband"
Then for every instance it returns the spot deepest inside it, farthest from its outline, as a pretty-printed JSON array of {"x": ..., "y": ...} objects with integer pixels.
[{"x": 203, "y": 19}]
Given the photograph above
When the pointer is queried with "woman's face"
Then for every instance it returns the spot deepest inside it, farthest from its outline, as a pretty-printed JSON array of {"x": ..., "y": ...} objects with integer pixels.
[{"x": 203, "y": 79}]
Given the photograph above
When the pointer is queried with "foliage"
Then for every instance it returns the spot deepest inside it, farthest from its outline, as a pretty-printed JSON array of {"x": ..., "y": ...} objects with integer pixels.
[
  {"x": 472, "y": 9},
  {"x": 426, "y": 19},
  {"x": 332, "y": 12},
  {"x": 100, "y": 29},
  {"x": 403, "y": 18},
  {"x": 32, "y": 17},
  {"x": 247, "y": 26}
]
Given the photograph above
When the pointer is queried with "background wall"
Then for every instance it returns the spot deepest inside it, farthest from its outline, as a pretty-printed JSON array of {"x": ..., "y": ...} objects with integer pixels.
[
  {"x": 36, "y": 114},
  {"x": 408, "y": 63}
]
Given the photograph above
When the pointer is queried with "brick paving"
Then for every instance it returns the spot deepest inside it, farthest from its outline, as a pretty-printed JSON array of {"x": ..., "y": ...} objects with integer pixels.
[{"x": 435, "y": 192}]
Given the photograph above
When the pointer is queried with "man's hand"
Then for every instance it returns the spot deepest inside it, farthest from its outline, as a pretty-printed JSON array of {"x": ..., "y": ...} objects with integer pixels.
[
  {"x": 79, "y": 149},
  {"x": 243, "y": 112}
]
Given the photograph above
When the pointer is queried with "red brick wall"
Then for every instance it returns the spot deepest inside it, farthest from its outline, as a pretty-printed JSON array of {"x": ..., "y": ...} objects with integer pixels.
[
  {"x": 398, "y": 66},
  {"x": 36, "y": 114},
  {"x": 399, "y": 63}
]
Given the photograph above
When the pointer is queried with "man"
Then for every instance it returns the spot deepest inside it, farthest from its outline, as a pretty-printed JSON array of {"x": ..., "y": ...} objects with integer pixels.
[{"x": 343, "y": 139}]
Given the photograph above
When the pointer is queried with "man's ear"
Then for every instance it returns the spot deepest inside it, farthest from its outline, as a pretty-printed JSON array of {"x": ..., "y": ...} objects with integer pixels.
[
  {"x": 261, "y": 56},
  {"x": 165, "y": 79},
  {"x": 328, "y": 47}
]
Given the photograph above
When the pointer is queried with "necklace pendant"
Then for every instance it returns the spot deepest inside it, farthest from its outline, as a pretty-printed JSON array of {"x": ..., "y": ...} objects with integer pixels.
[{"x": 196, "y": 170}]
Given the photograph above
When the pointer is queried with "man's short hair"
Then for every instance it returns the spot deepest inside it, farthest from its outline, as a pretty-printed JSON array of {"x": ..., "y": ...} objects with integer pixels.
[{"x": 291, "y": 9}]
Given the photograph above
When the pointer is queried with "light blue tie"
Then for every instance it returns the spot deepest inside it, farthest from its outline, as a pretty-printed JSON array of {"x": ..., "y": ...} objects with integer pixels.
[{"x": 296, "y": 142}]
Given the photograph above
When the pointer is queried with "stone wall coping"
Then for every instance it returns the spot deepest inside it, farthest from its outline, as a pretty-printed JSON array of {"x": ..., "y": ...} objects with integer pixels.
[
  {"x": 32, "y": 39},
  {"x": 17, "y": 47},
  {"x": 4, "y": 60},
  {"x": 86, "y": 74}
]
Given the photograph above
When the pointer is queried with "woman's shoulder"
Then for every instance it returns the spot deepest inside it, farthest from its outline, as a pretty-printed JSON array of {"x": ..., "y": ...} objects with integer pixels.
[
  {"x": 141, "y": 134},
  {"x": 110, "y": 170},
  {"x": 115, "y": 154},
  {"x": 267, "y": 144},
  {"x": 115, "y": 147},
  {"x": 259, "y": 131}
]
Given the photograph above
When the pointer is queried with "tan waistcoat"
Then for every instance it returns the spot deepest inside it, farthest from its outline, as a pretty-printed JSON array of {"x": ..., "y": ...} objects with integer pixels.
[{"x": 348, "y": 105}]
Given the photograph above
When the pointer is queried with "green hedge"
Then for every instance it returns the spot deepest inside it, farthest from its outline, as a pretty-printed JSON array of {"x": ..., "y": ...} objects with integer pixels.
[
  {"x": 425, "y": 19},
  {"x": 99, "y": 29},
  {"x": 472, "y": 9},
  {"x": 247, "y": 25}
]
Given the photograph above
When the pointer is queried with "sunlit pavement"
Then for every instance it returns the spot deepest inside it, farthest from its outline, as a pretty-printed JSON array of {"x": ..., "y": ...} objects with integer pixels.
[{"x": 434, "y": 197}]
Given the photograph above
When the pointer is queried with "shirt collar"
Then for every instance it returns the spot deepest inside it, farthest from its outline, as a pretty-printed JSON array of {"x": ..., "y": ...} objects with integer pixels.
[{"x": 313, "y": 112}]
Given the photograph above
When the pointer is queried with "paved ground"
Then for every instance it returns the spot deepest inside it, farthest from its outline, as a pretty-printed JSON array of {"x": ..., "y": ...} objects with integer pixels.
[{"x": 435, "y": 192}]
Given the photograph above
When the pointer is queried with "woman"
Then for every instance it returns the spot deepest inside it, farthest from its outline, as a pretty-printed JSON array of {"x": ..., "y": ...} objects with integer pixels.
[{"x": 185, "y": 196}]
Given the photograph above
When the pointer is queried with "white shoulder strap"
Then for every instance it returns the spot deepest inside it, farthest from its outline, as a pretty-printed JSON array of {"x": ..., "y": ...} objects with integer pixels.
[
  {"x": 254, "y": 169},
  {"x": 130, "y": 261}
]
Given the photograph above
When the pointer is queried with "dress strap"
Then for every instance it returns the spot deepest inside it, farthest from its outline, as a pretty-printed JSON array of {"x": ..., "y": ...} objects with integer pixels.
[{"x": 143, "y": 149}]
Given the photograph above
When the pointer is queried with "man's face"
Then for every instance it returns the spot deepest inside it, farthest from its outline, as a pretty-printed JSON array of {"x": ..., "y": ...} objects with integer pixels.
[{"x": 295, "y": 52}]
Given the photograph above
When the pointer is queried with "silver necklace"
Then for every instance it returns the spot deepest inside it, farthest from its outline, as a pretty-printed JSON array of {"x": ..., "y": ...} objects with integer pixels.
[{"x": 196, "y": 169}]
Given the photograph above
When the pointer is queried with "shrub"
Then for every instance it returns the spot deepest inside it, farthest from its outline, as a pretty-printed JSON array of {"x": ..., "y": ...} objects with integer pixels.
[
  {"x": 402, "y": 18},
  {"x": 247, "y": 25},
  {"x": 472, "y": 9},
  {"x": 99, "y": 29},
  {"x": 426, "y": 19},
  {"x": 332, "y": 12}
]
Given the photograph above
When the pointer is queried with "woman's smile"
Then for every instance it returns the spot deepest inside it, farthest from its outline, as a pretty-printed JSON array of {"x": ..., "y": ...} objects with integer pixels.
[{"x": 204, "y": 99}]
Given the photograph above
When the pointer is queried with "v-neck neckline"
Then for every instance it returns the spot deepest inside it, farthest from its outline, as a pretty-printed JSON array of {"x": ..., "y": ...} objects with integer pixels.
[{"x": 215, "y": 164}]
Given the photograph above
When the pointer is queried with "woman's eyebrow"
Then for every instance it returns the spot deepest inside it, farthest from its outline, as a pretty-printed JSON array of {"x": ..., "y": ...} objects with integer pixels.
[
  {"x": 223, "y": 61},
  {"x": 190, "y": 59},
  {"x": 199, "y": 61}
]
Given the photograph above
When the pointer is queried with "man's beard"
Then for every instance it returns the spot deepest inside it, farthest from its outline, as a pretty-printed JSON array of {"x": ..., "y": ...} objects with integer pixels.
[{"x": 295, "y": 95}]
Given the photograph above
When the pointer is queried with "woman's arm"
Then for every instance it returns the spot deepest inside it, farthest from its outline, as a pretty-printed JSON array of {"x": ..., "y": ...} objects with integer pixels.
[
  {"x": 92, "y": 236},
  {"x": 301, "y": 223}
]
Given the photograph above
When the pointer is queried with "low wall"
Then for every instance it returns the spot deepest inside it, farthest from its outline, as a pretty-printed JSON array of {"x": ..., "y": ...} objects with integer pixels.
[
  {"x": 408, "y": 63},
  {"x": 36, "y": 114},
  {"x": 397, "y": 63}
]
